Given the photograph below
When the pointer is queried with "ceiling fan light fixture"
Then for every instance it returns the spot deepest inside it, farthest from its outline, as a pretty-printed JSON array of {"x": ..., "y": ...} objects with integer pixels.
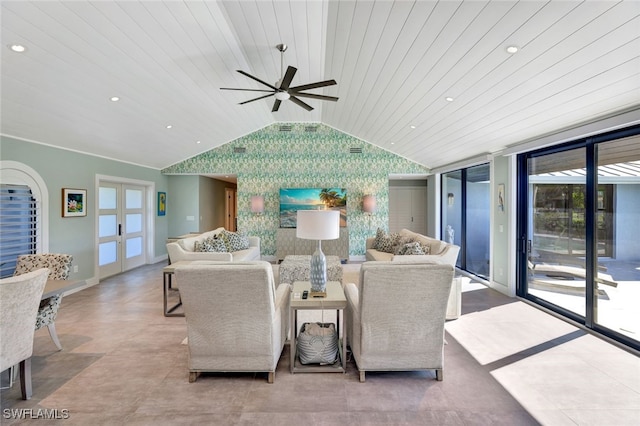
[{"x": 282, "y": 96}]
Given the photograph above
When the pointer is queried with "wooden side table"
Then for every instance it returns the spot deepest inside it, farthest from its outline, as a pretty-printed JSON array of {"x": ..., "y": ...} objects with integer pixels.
[
  {"x": 335, "y": 299},
  {"x": 167, "y": 286}
]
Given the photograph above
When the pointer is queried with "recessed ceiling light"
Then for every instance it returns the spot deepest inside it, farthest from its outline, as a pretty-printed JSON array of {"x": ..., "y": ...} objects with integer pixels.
[
  {"x": 169, "y": 126},
  {"x": 512, "y": 49},
  {"x": 197, "y": 141},
  {"x": 18, "y": 48},
  {"x": 413, "y": 127},
  {"x": 448, "y": 99},
  {"x": 114, "y": 99}
]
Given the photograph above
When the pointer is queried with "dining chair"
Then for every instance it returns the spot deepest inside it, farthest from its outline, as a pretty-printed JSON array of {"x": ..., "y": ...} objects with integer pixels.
[
  {"x": 59, "y": 266},
  {"x": 19, "y": 300}
]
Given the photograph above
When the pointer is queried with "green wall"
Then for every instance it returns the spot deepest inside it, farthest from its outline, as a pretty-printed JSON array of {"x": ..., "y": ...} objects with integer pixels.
[
  {"x": 183, "y": 202},
  {"x": 305, "y": 156},
  {"x": 67, "y": 169}
]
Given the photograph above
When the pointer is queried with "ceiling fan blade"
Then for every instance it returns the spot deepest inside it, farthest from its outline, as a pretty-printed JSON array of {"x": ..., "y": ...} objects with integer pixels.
[
  {"x": 248, "y": 90},
  {"x": 300, "y": 103},
  {"x": 313, "y": 85},
  {"x": 288, "y": 76},
  {"x": 256, "y": 99},
  {"x": 257, "y": 79},
  {"x": 314, "y": 96},
  {"x": 276, "y": 105}
]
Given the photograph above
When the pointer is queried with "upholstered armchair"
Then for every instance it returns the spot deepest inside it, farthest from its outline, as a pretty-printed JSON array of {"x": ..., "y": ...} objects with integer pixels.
[
  {"x": 237, "y": 319},
  {"x": 396, "y": 318},
  {"x": 59, "y": 266},
  {"x": 19, "y": 300}
]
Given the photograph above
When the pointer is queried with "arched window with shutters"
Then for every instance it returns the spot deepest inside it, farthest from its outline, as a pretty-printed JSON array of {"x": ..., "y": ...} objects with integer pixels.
[{"x": 23, "y": 214}]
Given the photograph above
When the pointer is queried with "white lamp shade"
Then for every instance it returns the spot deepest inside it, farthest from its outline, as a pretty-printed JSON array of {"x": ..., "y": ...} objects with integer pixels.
[
  {"x": 318, "y": 224},
  {"x": 369, "y": 204},
  {"x": 257, "y": 204}
]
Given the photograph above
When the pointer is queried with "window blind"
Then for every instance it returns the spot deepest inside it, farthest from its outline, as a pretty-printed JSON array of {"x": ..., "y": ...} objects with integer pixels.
[{"x": 19, "y": 213}]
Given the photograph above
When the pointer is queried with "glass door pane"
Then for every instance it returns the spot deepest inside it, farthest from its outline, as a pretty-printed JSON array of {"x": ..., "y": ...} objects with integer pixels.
[
  {"x": 452, "y": 209},
  {"x": 134, "y": 233},
  {"x": 556, "y": 229},
  {"x": 478, "y": 203},
  {"x": 109, "y": 259},
  {"x": 618, "y": 236}
]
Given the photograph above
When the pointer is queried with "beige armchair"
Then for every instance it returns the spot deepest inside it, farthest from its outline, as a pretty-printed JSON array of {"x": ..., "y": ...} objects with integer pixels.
[
  {"x": 59, "y": 266},
  {"x": 396, "y": 319},
  {"x": 237, "y": 319},
  {"x": 19, "y": 300}
]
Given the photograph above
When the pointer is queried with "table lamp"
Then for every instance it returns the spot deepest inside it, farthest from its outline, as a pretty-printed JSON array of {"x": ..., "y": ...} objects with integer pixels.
[{"x": 318, "y": 225}]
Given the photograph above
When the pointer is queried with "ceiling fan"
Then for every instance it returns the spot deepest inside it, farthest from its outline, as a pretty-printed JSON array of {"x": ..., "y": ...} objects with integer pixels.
[{"x": 282, "y": 89}]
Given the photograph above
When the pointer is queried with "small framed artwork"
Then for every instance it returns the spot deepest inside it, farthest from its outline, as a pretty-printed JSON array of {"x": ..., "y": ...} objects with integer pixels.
[
  {"x": 501, "y": 197},
  {"x": 162, "y": 203},
  {"x": 74, "y": 202}
]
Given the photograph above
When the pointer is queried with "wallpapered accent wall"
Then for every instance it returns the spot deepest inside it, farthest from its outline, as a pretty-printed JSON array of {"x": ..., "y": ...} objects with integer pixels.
[{"x": 290, "y": 155}]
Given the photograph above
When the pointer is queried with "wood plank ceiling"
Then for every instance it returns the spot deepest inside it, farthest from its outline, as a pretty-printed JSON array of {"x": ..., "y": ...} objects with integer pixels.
[{"x": 396, "y": 63}]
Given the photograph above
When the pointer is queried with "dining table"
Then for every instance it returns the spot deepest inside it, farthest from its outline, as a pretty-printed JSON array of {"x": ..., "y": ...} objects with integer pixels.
[{"x": 54, "y": 287}]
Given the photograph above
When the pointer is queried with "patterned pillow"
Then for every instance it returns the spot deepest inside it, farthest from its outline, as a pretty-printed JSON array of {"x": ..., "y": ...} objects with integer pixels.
[
  {"x": 400, "y": 243},
  {"x": 379, "y": 236},
  {"x": 211, "y": 244},
  {"x": 385, "y": 243},
  {"x": 411, "y": 248},
  {"x": 235, "y": 241},
  {"x": 426, "y": 248}
]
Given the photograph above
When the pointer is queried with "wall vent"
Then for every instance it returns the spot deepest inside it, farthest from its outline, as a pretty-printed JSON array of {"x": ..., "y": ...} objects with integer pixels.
[
  {"x": 310, "y": 129},
  {"x": 286, "y": 128},
  {"x": 239, "y": 150},
  {"x": 355, "y": 150}
]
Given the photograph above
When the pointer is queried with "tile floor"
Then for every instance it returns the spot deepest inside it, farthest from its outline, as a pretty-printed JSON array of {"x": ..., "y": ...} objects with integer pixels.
[{"x": 507, "y": 363}]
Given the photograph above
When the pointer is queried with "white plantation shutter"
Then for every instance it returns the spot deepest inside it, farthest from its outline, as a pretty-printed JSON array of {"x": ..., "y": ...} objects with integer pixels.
[{"x": 19, "y": 213}]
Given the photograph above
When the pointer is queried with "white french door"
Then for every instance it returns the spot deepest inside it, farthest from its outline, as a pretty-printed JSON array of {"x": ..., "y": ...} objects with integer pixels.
[{"x": 121, "y": 227}]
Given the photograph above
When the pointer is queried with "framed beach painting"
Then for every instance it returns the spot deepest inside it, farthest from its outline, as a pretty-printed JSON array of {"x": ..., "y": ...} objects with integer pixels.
[
  {"x": 294, "y": 199},
  {"x": 74, "y": 202}
]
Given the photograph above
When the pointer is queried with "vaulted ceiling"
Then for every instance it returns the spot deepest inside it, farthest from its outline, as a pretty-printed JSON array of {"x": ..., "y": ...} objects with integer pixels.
[{"x": 430, "y": 81}]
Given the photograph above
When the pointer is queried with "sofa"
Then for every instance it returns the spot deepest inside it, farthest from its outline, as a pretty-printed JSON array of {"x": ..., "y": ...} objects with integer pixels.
[
  {"x": 439, "y": 252},
  {"x": 189, "y": 248}
]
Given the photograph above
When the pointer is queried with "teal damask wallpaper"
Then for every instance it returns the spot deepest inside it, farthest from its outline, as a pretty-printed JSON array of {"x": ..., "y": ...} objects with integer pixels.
[{"x": 303, "y": 155}]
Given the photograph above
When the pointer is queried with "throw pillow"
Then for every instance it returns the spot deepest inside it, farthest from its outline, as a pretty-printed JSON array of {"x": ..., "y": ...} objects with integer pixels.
[
  {"x": 385, "y": 243},
  {"x": 401, "y": 242},
  {"x": 426, "y": 248},
  {"x": 235, "y": 241},
  {"x": 411, "y": 248},
  {"x": 211, "y": 244}
]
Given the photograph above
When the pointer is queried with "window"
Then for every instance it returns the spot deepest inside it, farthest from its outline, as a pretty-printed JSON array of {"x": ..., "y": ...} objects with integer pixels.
[
  {"x": 18, "y": 225},
  {"x": 24, "y": 214}
]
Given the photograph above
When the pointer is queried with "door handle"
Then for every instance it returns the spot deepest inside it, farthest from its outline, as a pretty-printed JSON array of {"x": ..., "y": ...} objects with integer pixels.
[{"x": 119, "y": 229}]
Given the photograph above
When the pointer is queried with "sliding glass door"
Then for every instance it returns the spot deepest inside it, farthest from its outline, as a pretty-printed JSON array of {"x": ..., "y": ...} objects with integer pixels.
[
  {"x": 579, "y": 239},
  {"x": 466, "y": 216},
  {"x": 556, "y": 241}
]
